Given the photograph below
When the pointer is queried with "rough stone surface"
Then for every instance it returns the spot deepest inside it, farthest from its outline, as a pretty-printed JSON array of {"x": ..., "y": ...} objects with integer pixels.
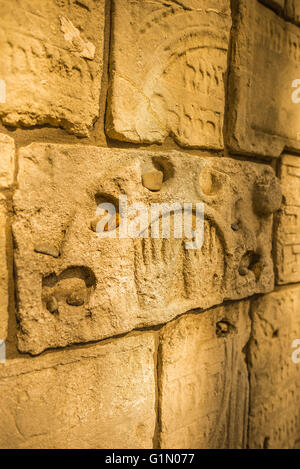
[
  {"x": 263, "y": 119},
  {"x": 292, "y": 10},
  {"x": 277, "y": 5},
  {"x": 168, "y": 65},
  {"x": 287, "y": 245},
  {"x": 51, "y": 62},
  {"x": 3, "y": 272},
  {"x": 204, "y": 379},
  {"x": 274, "y": 420},
  {"x": 7, "y": 161},
  {"x": 102, "y": 396},
  {"x": 128, "y": 283}
]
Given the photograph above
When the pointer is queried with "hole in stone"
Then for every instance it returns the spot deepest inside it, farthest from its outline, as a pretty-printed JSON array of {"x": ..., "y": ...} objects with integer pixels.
[
  {"x": 223, "y": 328},
  {"x": 210, "y": 181},
  {"x": 71, "y": 288},
  {"x": 275, "y": 333},
  {"x": 113, "y": 221},
  {"x": 163, "y": 164},
  {"x": 251, "y": 261}
]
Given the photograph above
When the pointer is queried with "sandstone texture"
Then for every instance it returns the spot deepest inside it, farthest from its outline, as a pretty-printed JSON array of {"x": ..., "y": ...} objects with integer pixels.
[
  {"x": 51, "y": 62},
  {"x": 149, "y": 224},
  {"x": 204, "y": 379},
  {"x": 274, "y": 420},
  {"x": 263, "y": 119},
  {"x": 168, "y": 65},
  {"x": 3, "y": 271},
  {"x": 7, "y": 161},
  {"x": 74, "y": 286},
  {"x": 102, "y": 396},
  {"x": 287, "y": 246}
]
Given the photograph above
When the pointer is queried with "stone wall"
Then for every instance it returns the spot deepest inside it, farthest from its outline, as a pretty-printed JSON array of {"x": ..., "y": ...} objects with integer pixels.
[{"x": 140, "y": 342}]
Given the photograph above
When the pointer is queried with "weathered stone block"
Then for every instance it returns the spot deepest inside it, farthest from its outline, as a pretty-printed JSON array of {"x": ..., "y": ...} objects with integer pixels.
[
  {"x": 274, "y": 420},
  {"x": 7, "y": 161},
  {"x": 51, "y": 62},
  {"x": 292, "y": 11},
  {"x": 204, "y": 380},
  {"x": 3, "y": 272},
  {"x": 102, "y": 396},
  {"x": 168, "y": 65},
  {"x": 74, "y": 286},
  {"x": 287, "y": 245},
  {"x": 263, "y": 119}
]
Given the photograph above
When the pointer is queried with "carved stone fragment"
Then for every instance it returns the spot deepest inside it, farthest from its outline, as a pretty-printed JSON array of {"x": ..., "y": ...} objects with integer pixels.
[
  {"x": 203, "y": 379},
  {"x": 101, "y": 396},
  {"x": 105, "y": 286},
  {"x": 51, "y": 63},
  {"x": 274, "y": 420},
  {"x": 263, "y": 118},
  {"x": 168, "y": 65}
]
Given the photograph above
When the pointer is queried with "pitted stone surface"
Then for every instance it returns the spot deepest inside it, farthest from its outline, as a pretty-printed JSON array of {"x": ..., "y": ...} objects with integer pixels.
[
  {"x": 168, "y": 65},
  {"x": 274, "y": 420},
  {"x": 102, "y": 396},
  {"x": 51, "y": 63},
  {"x": 204, "y": 379},
  {"x": 74, "y": 286},
  {"x": 263, "y": 119}
]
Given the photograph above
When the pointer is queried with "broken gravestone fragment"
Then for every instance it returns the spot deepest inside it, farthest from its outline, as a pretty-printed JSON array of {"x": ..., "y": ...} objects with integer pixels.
[
  {"x": 74, "y": 285},
  {"x": 51, "y": 63},
  {"x": 263, "y": 116},
  {"x": 170, "y": 81}
]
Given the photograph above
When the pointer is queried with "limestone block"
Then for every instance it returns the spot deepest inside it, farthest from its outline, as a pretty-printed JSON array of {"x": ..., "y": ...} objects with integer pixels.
[
  {"x": 204, "y": 380},
  {"x": 263, "y": 119},
  {"x": 7, "y": 161},
  {"x": 51, "y": 62},
  {"x": 274, "y": 420},
  {"x": 168, "y": 64},
  {"x": 76, "y": 286},
  {"x": 292, "y": 11},
  {"x": 287, "y": 235},
  {"x": 102, "y": 396},
  {"x": 3, "y": 272}
]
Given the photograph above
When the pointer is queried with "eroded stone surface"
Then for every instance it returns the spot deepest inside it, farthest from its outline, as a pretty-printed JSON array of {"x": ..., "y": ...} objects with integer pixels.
[
  {"x": 3, "y": 272},
  {"x": 274, "y": 378},
  {"x": 204, "y": 379},
  {"x": 287, "y": 245},
  {"x": 263, "y": 119},
  {"x": 7, "y": 161},
  {"x": 277, "y": 5},
  {"x": 51, "y": 62},
  {"x": 167, "y": 71},
  {"x": 80, "y": 287},
  {"x": 292, "y": 10},
  {"x": 101, "y": 396}
]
